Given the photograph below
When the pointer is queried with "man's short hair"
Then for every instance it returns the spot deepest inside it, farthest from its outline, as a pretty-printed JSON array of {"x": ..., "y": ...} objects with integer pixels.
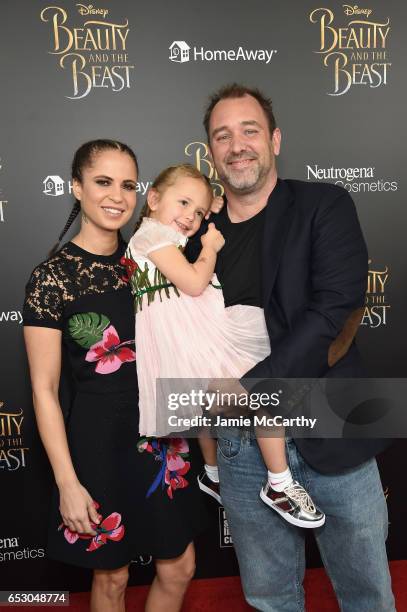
[{"x": 235, "y": 90}]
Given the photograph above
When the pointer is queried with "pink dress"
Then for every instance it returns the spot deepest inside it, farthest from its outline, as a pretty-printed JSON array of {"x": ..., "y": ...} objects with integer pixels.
[{"x": 184, "y": 337}]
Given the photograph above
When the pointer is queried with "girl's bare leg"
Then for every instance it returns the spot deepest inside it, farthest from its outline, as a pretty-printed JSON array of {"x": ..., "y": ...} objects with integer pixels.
[
  {"x": 273, "y": 452},
  {"x": 208, "y": 448}
]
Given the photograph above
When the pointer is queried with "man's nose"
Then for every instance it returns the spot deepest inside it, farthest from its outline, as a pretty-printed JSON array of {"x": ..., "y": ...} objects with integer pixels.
[{"x": 237, "y": 143}]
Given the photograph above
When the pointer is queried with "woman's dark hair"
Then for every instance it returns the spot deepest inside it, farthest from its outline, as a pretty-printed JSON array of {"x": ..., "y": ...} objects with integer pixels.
[{"x": 83, "y": 158}]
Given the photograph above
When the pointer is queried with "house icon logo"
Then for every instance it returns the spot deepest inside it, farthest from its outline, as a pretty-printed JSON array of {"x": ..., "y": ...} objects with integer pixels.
[
  {"x": 53, "y": 185},
  {"x": 179, "y": 51}
]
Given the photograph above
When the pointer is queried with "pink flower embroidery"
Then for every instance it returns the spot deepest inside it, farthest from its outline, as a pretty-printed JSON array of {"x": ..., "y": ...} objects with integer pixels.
[
  {"x": 176, "y": 466},
  {"x": 178, "y": 445},
  {"x": 171, "y": 453},
  {"x": 175, "y": 478},
  {"x": 108, "y": 529},
  {"x": 110, "y": 353},
  {"x": 71, "y": 536}
]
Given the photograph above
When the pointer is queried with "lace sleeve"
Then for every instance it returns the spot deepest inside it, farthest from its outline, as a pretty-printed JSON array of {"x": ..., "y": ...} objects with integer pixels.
[
  {"x": 154, "y": 235},
  {"x": 43, "y": 304}
]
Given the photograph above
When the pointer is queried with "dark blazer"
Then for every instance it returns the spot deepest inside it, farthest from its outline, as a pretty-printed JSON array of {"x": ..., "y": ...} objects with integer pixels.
[{"x": 315, "y": 267}]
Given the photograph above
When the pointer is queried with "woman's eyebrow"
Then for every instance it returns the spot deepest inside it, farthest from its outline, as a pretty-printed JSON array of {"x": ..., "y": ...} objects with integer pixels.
[{"x": 109, "y": 178}]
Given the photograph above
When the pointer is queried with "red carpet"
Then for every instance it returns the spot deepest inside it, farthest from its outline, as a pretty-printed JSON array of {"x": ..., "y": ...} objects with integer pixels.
[{"x": 220, "y": 594}]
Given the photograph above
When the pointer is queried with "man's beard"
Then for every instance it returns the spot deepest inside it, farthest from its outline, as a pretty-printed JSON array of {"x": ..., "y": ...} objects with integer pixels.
[{"x": 247, "y": 181}]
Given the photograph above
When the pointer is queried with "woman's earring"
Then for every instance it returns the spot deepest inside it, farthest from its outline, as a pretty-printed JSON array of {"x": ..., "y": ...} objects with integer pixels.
[{"x": 84, "y": 217}]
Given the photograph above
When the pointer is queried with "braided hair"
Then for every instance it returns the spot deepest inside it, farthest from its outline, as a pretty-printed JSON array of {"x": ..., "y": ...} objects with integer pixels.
[
  {"x": 74, "y": 213},
  {"x": 83, "y": 158}
]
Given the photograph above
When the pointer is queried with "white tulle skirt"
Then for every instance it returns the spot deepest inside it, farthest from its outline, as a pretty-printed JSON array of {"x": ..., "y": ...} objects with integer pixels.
[{"x": 190, "y": 339}]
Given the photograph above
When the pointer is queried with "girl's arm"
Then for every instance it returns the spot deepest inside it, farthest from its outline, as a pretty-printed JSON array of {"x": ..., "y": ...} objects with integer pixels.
[
  {"x": 190, "y": 278},
  {"x": 44, "y": 355}
]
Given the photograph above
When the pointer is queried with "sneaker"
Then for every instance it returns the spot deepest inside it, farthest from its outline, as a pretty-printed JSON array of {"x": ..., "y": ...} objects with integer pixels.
[
  {"x": 294, "y": 505},
  {"x": 208, "y": 486}
]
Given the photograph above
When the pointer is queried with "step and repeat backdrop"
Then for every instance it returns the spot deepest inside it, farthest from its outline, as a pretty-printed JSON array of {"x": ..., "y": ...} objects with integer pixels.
[{"x": 141, "y": 72}]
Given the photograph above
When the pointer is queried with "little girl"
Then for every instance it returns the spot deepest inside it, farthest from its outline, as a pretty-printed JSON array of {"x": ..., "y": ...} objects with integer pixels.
[{"x": 184, "y": 331}]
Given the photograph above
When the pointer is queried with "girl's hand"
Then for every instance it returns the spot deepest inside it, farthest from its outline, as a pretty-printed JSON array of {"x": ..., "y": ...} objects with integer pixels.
[
  {"x": 77, "y": 508},
  {"x": 216, "y": 206},
  {"x": 213, "y": 238}
]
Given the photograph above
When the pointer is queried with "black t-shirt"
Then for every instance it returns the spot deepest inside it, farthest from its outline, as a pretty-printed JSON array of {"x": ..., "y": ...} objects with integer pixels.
[{"x": 238, "y": 265}]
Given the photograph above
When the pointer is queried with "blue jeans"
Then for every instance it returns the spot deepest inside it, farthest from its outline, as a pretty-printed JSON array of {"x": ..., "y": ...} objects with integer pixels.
[{"x": 271, "y": 552}]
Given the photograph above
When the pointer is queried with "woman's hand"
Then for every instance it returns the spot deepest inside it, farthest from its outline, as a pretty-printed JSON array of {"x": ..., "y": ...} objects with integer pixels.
[
  {"x": 216, "y": 206},
  {"x": 77, "y": 508},
  {"x": 213, "y": 238}
]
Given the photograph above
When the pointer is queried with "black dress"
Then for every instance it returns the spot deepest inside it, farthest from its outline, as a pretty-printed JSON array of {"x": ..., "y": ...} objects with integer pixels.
[{"x": 145, "y": 489}]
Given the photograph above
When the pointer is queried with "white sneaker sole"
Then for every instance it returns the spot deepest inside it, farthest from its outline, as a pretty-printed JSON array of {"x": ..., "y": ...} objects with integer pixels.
[
  {"x": 287, "y": 517},
  {"x": 209, "y": 491}
]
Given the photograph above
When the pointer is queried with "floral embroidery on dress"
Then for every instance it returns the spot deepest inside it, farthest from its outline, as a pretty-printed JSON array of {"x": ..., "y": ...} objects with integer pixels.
[
  {"x": 171, "y": 453},
  {"x": 110, "y": 353},
  {"x": 130, "y": 266},
  {"x": 108, "y": 529},
  {"x": 141, "y": 284},
  {"x": 67, "y": 276},
  {"x": 93, "y": 331}
]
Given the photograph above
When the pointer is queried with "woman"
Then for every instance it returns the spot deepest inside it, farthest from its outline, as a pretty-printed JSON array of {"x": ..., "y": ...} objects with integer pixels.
[{"x": 118, "y": 495}]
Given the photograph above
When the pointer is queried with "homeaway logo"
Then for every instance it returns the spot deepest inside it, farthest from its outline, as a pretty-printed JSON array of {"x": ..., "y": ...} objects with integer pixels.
[
  {"x": 53, "y": 185},
  {"x": 12, "y": 316},
  {"x": 181, "y": 52}
]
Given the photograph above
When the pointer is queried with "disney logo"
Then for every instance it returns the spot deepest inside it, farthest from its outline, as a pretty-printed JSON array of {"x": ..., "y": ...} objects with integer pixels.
[
  {"x": 355, "y": 10},
  {"x": 90, "y": 10}
]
